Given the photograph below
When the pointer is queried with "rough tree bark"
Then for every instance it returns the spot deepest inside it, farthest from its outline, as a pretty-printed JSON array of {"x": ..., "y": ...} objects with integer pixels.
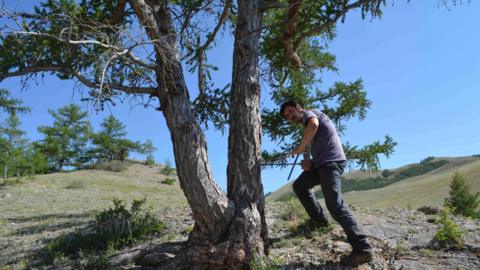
[
  {"x": 228, "y": 232},
  {"x": 244, "y": 173}
]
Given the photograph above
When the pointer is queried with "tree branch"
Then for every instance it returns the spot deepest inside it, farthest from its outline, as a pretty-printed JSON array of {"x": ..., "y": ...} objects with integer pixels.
[
  {"x": 290, "y": 28},
  {"x": 83, "y": 79},
  {"x": 117, "y": 50},
  {"x": 201, "y": 50},
  {"x": 270, "y": 4},
  {"x": 330, "y": 22},
  {"x": 119, "y": 13},
  {"x": 289, "y": 32}
]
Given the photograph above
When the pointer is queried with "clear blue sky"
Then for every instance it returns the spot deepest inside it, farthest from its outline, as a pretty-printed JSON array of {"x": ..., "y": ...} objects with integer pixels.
[{"x": 421, "y": 68}]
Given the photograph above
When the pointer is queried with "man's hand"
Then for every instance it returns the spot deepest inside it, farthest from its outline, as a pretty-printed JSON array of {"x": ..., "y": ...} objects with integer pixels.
[
  {"x": 306, "y": 165},
  {"x": 297, "y": 151}
]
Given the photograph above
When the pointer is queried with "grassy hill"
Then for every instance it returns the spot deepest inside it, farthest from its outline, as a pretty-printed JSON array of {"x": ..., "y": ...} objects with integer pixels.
[
  {"x": 414, "y": 185},
  {"x": 36, "y": 210}
]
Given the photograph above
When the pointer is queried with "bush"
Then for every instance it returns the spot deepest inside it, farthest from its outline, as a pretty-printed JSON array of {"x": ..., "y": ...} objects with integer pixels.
[
  {"x": 463, "y": 201},
  {"x": 112, "y": 166},
  {"x": 122, "y": 226},
  {"x": 449, "y": 235},
  {"x": 113, "y": 228},
  {"x": 422, "y": 168},
  {"x": 427, "y": 159},
  {"x": 168, "y": 181},
  {"x": 294, "y": 214},
  {"x": 167, "y": 168},
  {"x": 386, "y": 173},
  {"x": 150, "y": 160},
  {"x": 286, "y": 197}
]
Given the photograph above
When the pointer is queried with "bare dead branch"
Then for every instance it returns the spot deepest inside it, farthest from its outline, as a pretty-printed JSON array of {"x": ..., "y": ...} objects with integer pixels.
[
  {"x": 200, "y": 54},
  {"x": 80, "y": 77},
  {"x": 330, "y": 22},
  {"x": 117, "y": 50}
]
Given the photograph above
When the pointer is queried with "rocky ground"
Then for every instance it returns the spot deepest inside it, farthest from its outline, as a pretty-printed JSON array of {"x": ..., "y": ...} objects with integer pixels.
[{"x": 403, "y": 239}]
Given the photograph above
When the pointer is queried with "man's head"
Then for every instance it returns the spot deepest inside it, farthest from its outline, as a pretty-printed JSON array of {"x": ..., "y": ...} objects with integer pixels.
[{"x": 292, "y": 111}]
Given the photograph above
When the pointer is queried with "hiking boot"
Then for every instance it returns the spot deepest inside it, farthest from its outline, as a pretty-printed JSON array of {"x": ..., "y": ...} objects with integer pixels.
[{"x": 357, "y": 257}]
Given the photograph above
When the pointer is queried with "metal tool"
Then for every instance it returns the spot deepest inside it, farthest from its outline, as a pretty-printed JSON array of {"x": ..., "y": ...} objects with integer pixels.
[
  {"x": 293, "y": 167},
  {"x": 306, "y": 156}
]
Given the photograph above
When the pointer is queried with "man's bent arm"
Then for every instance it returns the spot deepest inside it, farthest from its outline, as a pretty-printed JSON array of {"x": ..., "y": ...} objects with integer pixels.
[{"x": 308, "y": 134}]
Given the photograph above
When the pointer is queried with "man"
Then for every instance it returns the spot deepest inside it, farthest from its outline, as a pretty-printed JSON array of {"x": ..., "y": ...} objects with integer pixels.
[{"x": 324, "y": 169}]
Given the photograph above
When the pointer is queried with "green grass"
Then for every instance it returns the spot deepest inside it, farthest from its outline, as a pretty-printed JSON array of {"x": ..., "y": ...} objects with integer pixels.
[
  {"x": 112, "y": 166},
  {"x": 114, "y": 228},
  {"x": 380, "y": 181},
  {"x": 76, "y": 184},
  {"x": 39, "y": 210},
  {"x": 431, "y": 189},
  {"x": 168, "y": 181},
  {"x": 427, "y": 184}
]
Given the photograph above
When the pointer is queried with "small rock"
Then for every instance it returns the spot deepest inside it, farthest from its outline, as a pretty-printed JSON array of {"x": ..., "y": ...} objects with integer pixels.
[
  {"x": 123, "y": 259},
  {"x": 340, "y": 247},
  {"x": 411, "y": 265},
  {"x": 155, "y": 259},
  {"x": 429, "y": 210}
]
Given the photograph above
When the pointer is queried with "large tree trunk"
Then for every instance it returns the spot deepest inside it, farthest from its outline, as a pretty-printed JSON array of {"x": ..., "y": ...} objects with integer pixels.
[
  {"x": 244, "y": 181},
  {"x": 227, "y": 233}
]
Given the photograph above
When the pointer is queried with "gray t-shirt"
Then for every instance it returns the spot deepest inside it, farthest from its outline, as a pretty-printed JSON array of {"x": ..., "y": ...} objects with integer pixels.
[{"x": 325, "y": 145}]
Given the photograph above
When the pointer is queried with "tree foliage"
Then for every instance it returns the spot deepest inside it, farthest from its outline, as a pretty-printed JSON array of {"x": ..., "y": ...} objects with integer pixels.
[
  {"x": 11, "y": 105},
  {"x": 15, "y": 155},
  {"x": 295, "y": 51},
  {"x": 110, "y": 143},
  {"x": 65, "y": 143},
  {"x": 96, "y": 42},
  {"x": 13, "y": 144},
  {"x": 148, "y": 148},
  {"x": 463, "y": 201}
]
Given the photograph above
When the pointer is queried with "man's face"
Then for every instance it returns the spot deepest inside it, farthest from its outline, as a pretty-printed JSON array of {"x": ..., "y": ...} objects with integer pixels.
[{"x": 293, "y": 114}]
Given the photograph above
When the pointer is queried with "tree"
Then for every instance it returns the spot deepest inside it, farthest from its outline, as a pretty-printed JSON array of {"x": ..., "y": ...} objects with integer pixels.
[
  {"x": 97, "y": 43},
  {"x": 65, "y": 143},
  {"x": 11, "y": 105},
  {"x": 111, "y": 143},
  {"x": 148, "y": 148},
  {"x": 461, "y": 199},
  {"x": 12, "y": 141},
  {"x": 13, "y": 144}
]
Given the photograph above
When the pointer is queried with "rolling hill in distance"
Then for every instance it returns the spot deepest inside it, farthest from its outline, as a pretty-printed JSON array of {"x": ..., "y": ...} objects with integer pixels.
[{"x": 409, "y": 186}]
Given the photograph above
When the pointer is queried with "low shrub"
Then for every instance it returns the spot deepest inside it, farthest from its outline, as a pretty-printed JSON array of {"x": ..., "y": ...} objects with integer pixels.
[
  {"x": 112, "y": 166},
  {"x": 113, "y": 228},
  {"x": 167, "y": 168},
  {"x": 294, "y": 215},
  {"x": 168, "y": 181},
  {"x": 463, "y": 201},
  {"x": 427, "y": 159},
  {"x": 150, "y": 160},
  {"x": 449, "y": 235},
  {"x": 386, "y": 173}
]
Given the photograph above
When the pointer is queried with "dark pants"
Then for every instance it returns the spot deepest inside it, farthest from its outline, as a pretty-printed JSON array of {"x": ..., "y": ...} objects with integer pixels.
[{"x": 328, "y": 177}]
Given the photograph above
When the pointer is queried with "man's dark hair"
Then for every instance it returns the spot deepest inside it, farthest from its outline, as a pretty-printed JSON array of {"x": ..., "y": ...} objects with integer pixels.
[{"x": 286, "y": 104}]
